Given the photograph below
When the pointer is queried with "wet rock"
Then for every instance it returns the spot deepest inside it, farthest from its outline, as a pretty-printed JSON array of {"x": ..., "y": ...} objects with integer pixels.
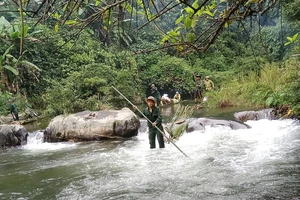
[
  {"x": 87, "y": 126},
  {"x": 255, "y": 115},
  {"x": 12, "y": 135},
  {"x": 196, "y": 124}
]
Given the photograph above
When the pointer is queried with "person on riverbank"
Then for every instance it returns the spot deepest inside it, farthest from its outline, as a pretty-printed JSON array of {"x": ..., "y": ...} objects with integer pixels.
[
  {"x": 177, "y": 98},
  {"x": 13, "y": 110},
  {"x": 209, "y": 85},
  {"x": 155, "y": 93},
  {"x": 153, "y": 113},
  {"x": 198, "y": 92},
  {"x": 165, "y": 100}
]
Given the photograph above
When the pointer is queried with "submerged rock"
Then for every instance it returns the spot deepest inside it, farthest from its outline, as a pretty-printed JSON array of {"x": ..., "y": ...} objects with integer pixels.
[
  {"x": 12, "y": 135},
  {"x": 88, "y": 125}
]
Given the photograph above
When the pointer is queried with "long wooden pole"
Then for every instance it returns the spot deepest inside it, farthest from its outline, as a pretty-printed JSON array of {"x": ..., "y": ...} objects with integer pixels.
[{"x": 150, "y": 121}]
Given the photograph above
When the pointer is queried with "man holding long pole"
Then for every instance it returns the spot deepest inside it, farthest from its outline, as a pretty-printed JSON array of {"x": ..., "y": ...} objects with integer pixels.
[
  {"x": 151, "y": 122},
  {"x": 153, "y": 113}
]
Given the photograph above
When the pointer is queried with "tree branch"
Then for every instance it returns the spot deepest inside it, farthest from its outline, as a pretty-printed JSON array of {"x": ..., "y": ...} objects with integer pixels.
[{"x": 159, "y": 14}]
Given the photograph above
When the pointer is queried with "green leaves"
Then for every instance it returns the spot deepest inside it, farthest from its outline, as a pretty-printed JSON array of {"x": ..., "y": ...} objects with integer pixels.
[
  {"x": 273, "y": 100},
  {"x": 251, "y": 2},
  {"x": 70, "y": 22},
  {"x": 4, "y": 25},
  {"x": 172, "y": 35},
  {"x": 291, "y": 39},
  {"x": 97, "y": 2},
  {"x": 187, "y": 22},
  {"x": 29, "y": 65},
  {"x": 179, "y": 19},
  {"x": 2, "y": 57},
  {"x": 12, "y": 69},
  {"x": 191, "y": 37}
]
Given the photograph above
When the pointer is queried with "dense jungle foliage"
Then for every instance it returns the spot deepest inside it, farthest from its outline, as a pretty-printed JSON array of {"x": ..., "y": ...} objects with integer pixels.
[{"x": 59, "y": 69}]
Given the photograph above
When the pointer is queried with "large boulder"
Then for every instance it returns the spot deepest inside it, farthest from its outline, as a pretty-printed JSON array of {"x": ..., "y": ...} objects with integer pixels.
[
  {"x": 87, "y": 126},
  {"x": 12, "y": 135},
  {"x": 195, "y": 124},
  {"x": 255, "y": 115}
]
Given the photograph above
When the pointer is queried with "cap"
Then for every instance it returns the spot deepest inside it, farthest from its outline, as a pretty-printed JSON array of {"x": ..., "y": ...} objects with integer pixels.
[
  {"x": 151, "y": 98},
  {"x": 207, "y": 77},
  {"x": 198, "y": 75},
  {"x": 177, "y": 92}
]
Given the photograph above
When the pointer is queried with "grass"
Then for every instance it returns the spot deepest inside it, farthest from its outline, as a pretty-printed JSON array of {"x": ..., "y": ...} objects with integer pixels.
[{"x": 263, "y": 90}]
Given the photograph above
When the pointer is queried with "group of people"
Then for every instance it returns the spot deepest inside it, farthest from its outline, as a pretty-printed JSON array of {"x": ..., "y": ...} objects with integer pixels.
[
  {"x": 153, "y": 113},
  {"x": 201, "y": 86},
  {"x": 164, "y": 100}
]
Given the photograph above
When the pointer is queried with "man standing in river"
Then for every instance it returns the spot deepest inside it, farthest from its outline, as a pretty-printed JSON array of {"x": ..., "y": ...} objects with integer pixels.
[{"x": 153, "y": 113}]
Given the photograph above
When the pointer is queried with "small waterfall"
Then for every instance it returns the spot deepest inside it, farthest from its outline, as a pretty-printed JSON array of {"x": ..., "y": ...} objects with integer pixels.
[
  {"x": 35, "y": 142},
  {"x": 35, "y": 138},
  {"x": 144, "y": 127},
  {"x": 265, "y": 114}
]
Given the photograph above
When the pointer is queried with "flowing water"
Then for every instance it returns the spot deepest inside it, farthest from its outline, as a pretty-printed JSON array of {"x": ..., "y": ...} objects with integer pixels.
[{"x": 258, "y": 163}]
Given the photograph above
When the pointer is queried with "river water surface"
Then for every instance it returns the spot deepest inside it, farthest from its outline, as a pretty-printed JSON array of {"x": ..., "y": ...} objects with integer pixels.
[{"x": 258, "y": 163}]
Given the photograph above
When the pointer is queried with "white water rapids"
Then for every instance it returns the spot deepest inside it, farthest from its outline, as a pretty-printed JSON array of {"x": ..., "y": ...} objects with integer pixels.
[{"x": 258, "y": 163}]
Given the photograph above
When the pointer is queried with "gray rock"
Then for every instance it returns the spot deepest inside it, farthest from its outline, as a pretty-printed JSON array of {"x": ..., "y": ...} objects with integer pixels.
[
  {"x": 87, "y": 126},
  {"x": 12, "y": 135},
  {"x": 255, "y": 115},
  {"x": 196, "y": 124}
]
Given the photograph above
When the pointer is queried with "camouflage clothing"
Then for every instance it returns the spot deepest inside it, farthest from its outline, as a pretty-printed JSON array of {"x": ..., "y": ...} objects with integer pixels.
[{"x": 209, "y": 85}]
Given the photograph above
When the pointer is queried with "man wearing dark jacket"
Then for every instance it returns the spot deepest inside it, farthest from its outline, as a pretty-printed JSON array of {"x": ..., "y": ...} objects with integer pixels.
[
  {"x": 155, "y": 93},
  {"x": 13, "y": 110},
  {"x": 153, "y": 113}
]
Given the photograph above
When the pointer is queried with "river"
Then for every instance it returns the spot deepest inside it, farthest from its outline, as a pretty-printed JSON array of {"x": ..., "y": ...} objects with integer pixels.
[{"x": 258, "y": 163}]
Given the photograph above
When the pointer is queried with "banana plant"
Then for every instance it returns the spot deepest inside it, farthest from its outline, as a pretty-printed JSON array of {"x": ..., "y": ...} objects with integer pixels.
[
  {"x": 11, "y": 66},
  {"x": 2, "y": 61},
  {"x": 13, "y": 32}
]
